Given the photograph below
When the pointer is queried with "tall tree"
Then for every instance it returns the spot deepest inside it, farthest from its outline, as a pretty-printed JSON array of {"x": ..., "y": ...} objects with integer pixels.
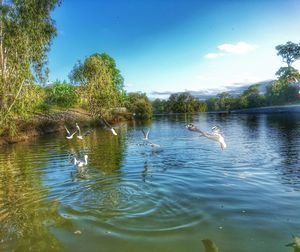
[
  {"x": 289, "y": 52},
  {"x": 26, "y": 31},
  {"x": 101, "y": 81}
]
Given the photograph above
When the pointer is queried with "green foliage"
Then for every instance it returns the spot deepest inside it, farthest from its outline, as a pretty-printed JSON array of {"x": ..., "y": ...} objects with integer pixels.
[
  {"x": 281, "y": 92},
  {"x": 26, "y": 31},
  {"x": 288, "y": 74},
  {"x": 101, "y": 81},
  {"x": 289, "y": 52},
  {"x": 61, "y": 94},
  {"x": 139, "y": 104},
  {"x": 179, "y": 103},
  {"x": 225, "y": 102}
]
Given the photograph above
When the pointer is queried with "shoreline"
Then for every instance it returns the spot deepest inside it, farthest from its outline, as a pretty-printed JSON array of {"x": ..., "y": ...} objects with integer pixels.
[
  {"x": 50, "y": 123},
  {"x": 294, "y": 108},
  {"x": 291, "y": 108}
]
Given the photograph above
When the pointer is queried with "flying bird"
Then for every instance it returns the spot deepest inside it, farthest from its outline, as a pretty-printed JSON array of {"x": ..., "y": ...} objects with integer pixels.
[
  {"x": 110, "y": 127},
  {"x": 146, "y": 134},
  {"x": 146, "y": 138},
  {"x": 69, "y": 136},
  {"x": 216, "y": 134},
  {"x": 79, "y": 132}
]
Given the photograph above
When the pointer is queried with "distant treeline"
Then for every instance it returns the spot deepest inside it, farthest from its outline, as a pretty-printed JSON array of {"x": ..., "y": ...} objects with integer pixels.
[
  {"x": 179, "y": 103},
  {"x": 285, "y": 89}
]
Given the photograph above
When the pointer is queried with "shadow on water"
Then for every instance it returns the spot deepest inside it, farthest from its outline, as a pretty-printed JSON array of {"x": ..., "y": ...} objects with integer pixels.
[{"x": 285, "y": 127}]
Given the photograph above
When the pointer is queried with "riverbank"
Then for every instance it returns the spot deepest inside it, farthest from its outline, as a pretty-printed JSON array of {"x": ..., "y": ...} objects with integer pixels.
[
  {"x": 270, "y": 109},
  {"x": 49, "y": 123}
]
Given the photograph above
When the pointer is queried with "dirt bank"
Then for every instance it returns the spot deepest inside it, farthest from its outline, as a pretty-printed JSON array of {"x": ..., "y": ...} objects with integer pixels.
[{"x": 47, "y": 123}]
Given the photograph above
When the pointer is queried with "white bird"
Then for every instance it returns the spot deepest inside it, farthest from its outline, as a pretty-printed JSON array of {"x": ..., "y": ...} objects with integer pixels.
[
  {"x": 153, "y": 145},
  {"x": 69, "y": 136},
  {"x": 146, "y": 138},
  {"x": 113, "y": 131},
  {"x": 215, "y": 135},
  {"x": 110, "y": 127},
  {"x": 146, "y": 134},
  {"x": 80, "y": 163},
  {"x": 79, "y": 132}
]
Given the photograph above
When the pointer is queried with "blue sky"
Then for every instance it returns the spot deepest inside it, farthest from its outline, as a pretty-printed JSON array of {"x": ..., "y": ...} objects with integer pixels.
[{"x": 176, "y": 45}]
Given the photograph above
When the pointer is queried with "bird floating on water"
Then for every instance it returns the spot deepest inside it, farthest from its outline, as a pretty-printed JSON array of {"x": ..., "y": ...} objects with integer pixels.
[
  {"x": 80, "y": 163},
  {"x": 69, "y": 136},
  {"x": 216, "y": 134}
]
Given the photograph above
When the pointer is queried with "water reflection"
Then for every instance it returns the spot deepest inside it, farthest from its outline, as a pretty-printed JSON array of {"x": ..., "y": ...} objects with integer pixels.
[
  {"x": 129, "y": 194},
  {"x": 26, "y": 216},
  {"x": 285, "y": 128}
]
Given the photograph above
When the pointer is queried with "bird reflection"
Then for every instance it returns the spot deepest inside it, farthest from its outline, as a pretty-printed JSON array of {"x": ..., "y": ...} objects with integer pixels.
[{"x": 145, "y": 172}]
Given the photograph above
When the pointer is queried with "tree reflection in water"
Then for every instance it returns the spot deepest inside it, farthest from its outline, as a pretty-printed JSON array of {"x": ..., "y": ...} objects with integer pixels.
[{"x": 26, "y": 216}]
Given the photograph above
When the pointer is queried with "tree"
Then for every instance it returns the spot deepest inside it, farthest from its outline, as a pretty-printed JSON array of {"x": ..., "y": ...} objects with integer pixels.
[
  {"x": 252, "y": 96},
  {"x": 139, "y": 104},
  {"x": 102, "y": 83},
  {"x": 224, "y": 101},
  {"x": 288, "y": 74},
  {"x": 159, "y": 106},
  {"x": 184, "y": 103},
  {"x": 26, "y": 31},
  {"x": 289, "y": 52},
  {"x": 212, "y": 104}
]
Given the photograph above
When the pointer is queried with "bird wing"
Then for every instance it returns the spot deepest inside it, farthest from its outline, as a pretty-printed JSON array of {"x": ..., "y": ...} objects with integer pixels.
[
  {"x": 87, "y": 133},
  {"x": 77, "y": 126},
  {"x": 145, "y": 134},
  {"x": 67, "y": 130},
  {"x": 73, "y": 133},
  {"x": 106, "y": 123},
  {"x": 217, "y": 130},
  {"x": 113, "y": 131},
  {"x": 192, "y": 127}
]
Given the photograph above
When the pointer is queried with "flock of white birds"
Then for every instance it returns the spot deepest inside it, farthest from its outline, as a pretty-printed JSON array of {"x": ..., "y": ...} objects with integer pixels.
[{"x": 216, "y": 134}]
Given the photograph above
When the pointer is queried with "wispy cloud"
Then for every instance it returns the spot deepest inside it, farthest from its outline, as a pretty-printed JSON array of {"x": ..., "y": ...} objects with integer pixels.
[
  {"x": 213, "y": 55},
  {"x": 162, "y": 92},
  {"x": 238, "y": 48}
]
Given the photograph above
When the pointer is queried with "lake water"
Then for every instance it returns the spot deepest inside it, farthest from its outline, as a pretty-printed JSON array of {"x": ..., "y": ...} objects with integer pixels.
[{"x": 132, "y": 198}]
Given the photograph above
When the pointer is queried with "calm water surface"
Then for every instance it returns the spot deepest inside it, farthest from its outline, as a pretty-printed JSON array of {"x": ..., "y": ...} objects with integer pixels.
[{"x": 131, "y": 198}]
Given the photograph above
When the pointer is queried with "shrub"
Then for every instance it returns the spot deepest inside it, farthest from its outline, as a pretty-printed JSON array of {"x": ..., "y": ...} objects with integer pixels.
[{"x": 61, "y": 94}]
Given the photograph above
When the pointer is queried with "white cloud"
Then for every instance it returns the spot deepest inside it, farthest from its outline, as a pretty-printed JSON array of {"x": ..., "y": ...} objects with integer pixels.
[
  {"x": 213, "y": 55},
  {"x": 238, "y": 48}
]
